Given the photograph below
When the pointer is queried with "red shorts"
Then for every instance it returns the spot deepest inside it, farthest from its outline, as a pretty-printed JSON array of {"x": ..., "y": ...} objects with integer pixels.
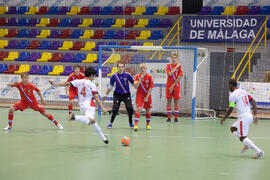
[
  {"x": 175, "y": 94},
  {"x": 140, "y": 103},
  {"x": 22, "y": 106},
  {"x": 73, "y": 94}
]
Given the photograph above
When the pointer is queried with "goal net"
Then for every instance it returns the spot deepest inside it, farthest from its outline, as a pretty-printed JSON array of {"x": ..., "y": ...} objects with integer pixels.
[{"x": 195, "y": 81}]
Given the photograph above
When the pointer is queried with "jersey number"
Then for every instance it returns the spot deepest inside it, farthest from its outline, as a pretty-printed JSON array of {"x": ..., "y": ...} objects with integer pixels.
[
  {"x": 245, "y": 100},
  {"x": 83, "y": 92}
]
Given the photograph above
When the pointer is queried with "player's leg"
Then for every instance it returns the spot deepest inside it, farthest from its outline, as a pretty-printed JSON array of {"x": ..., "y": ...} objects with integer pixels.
[
  {"x": 115, "y": 109},
  {"x": 169, "y": 103},
  {"x": 49, "y": 116},
  {"x": 148, "y": 118},
  {"x": 72, "y": 95},
  {"x": 129, "y": 108},
  {"x": 98, "y": 130},
  {"x": 139, "y": 105},
  {"x": 176, "y": 110},
  {"x": 11, "y": 111}
]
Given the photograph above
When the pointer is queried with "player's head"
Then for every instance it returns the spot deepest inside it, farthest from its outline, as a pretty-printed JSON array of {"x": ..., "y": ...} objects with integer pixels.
[
  {"x": 25, "y": 77},
  {"x": 76, "y": 69},
  {"x": 143, "y": 68},
  {"x": 174, "y": 57},
  {"x": 232, "y": 84},
  {"x": 120, "y": 67},
  {"x": 90, "y": 73}
]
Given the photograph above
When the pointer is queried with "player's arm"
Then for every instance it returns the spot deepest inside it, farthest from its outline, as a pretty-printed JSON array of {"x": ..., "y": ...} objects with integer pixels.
[
  {"x": 60, "y": 83},
  {"x": 138, "y": 81},
  {"x": 99, "y": 102},
  {"x": 170, "y": 73},
  {"x": 176, "y": 81},
  {"x": 148, "y": 94},
  {"x": 228, "y": 112},
  {"x": 12, "y": 84},
  {"x": 41, "y": 97},
  {"x": 253, "y": 102}
]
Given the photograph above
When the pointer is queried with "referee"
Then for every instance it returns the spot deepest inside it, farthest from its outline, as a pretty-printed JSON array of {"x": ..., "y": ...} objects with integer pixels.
[{"x": 121, "y": 93}]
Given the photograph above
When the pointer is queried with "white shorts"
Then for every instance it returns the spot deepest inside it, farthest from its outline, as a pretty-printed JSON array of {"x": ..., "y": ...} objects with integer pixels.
[
  {"x": 243, "y": 123},
  {"x": 88, "y": 112}
]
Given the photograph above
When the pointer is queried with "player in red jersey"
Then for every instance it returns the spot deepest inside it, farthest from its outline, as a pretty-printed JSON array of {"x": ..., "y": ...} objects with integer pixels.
[
  {"x": 174, "y": 74},
  {"x": 28, "y": 100},
  {"x": 144, "y": 85},
  {"x": 73, "y": 91}
]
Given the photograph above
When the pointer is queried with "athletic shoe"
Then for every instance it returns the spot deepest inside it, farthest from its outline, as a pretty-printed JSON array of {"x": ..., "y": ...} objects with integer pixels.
[
  {"x": 258, "y": 155},
  {"x": 72, "y": 117},
  {"x": 131, "y": 125},
  {"x": 135, "y": 128},
  {"x": 109, "y": 126},
  {"x": 106, "y": 141},
  {"x": 8, "y": 128},
  {"x": 169, "y": 120},
  {"x": 245, "y": 148},
  {"x": 176, "y": 120},
  {"x": 60, "y": 126},
  {"x": 148, "y": 127}
]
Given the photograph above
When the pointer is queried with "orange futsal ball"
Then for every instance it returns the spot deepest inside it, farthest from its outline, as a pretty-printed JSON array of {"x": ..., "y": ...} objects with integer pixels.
[{"x": 125, "y": 141}]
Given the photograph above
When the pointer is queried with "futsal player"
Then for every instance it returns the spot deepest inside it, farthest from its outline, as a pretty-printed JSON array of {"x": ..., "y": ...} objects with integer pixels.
[
  {"x": 144, "y": 85},
  {"x": 241, "y": 100},
  {"x": 121, "y": 81},
  {"x": 28, "y": 100},
  {"x": 87, "y": 93},
  {"x": 174, "y": 74}
]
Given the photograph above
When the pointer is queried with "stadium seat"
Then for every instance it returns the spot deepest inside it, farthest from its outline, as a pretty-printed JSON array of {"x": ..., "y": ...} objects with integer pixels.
[
  {"x": 108, "y": 22},
  {"x": 12, "y": 33},
  {"x": 23, "y": 44},
  {"x": 12, "y": 68},
  {"x": 85, "y": 10},
  {"x": 32, "y": 10},
  {"x": 114, "y": 70},
  {"x": 90, "y": 58},
  {"x": 43, "y": 22},
  {"x": 3, "y": 32},
  {"x": 33, "y": 33},
  {"x": 144, "y": 35},
  {"x": 35, "y": 69},
  {"x": 45, "y": 45},
  {"x": 68, "y": 57},
  {"x": 119, "y": 22},
  {"x": 139, "y": 10},
  {"x": 136, "y": 44},
  {"x": 3, "y": 43},
  {"x": 128, "y": 10},
  {"x": 77, "y": 33},
  {"x": 66, "y": 45},
  {"x": 130, "y": 70},
  {"x": 56, "y": 57},
  {"x": 67, "y": 71},
  {"x": 133, "y": 34},
  {"x": 23, "y": 56},
  {"x": 155, "y": 35},
  {"x": 53, "y": 10},
  {"x": 113, "y": 59},
  {"x": 34, "y": 56},
  {"x": 55, "y": 45},
  {"x": 150, "y": 10},
  {"x": 22, "y": 9},
  {"x": 12, "y": 22},
  {"x": 33, "y": 22},
  {"x": 229, "y": 10},
  {"x": 44, "y": 33},
  {"x": 3, "y": 54},
  {"x": 205, "y": 10},
  {"x": 153, "y": 23},
  {"x": 45, "y": 56},
  {"x": 12, "y": 44},
  {"x": 97, "y": 23},
  {"x": 23, "y": 33},
  {"x": 34, "y": 44},
  {"x": 107, "y": 10},
  {"x": 97, "y": 46},
  {"x": 12, "y": 56},
  {"x": 96, "y": 10},
  {"x": 268, "y": 23},
  {"x": 126, "y": 58},
  {"x": 65, "y": 22},
  {"x": 104, "y": 58},
  {"x": 142, "y": 23},
  {"x": 64, "y": 10},
  {"x": 3, "y": 67},
  {"x": 117, "y": 10},
  {"x": 3, "y": 21},
  {"x": 12, "y": 10},
  {"x": 54, "y": 22},
  {"x": 74, "y": 10},
  {"x": 121, "y": 34},
  {"x": 65, "y": 33},
  {"x": 148, "y": 44},
  {"x": 78, "y": 45},
  {"x": 23, "y": 22},
  {"x": 113, "y": 43},
  {"x": 217, "y": 10},
  {"x": 137, "y": 59},
  {"x": 110, "y": 34},
  {"x": 45, "y": 69},
  {"x": 79, "y": 57},
  {"x": 43, "y": 10},
  {"x": 23, "y": 68},
  {"x": 173, "y": 10},
  {"x": 86, "y": 22},
  {"x": 3, "y": 9},
  {"x": 265, "y": 10},
  {"x": 124, "y": 43},
  {"x": 253, "y": 10},
  {"x": 162, "y": 10},
  {"x": 241, "y": 10},
  {"x": 75, "y": 22},
  {"x": 130, "y": 23},
  {"x": 55, "y": 33},
  {"x": 98, "y": 34},
  {"x": 89, "y": 46},
  {"x": 165, "y": 23}
]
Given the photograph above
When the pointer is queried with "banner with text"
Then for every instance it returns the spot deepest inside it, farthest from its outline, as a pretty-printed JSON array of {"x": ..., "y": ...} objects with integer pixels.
[{"x": 238, "y": 29}]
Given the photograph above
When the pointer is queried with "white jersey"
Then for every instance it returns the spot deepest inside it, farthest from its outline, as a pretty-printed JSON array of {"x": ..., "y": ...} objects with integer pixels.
[
  {"x": 86, "y": 91},
  {"x": 241, "y": 100}
]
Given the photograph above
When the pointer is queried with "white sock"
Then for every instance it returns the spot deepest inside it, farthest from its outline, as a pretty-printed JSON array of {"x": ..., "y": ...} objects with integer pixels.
[
  {"x": 251, "y": 145},
  {"x": 99, "y": 131},
  {"x": 236, "y": 134},
  {"x": 83, "y": 119}
]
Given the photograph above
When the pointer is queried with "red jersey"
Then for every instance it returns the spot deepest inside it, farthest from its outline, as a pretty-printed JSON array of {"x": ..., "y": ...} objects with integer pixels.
[
  {"x": 171, "y": 79},
  {"x": 146, "y": 83},
  {"x": 73, "y": 77},
  {"x": 26, "y": 92}
]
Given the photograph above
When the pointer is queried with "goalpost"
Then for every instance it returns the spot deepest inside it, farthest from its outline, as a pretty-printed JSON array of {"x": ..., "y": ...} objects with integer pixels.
[{"x": 194, "y": 92}]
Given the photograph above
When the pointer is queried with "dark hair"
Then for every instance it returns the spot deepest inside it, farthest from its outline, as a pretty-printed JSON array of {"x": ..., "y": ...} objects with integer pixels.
[
  {"x": 90, "y": 71},
  {"x": 24, "y": 74},
  {"x": 119, "y": 64},
  {"x": 233, "y": 82}
]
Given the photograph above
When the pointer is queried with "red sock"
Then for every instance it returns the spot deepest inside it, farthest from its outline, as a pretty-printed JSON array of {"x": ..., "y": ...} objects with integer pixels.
[
  {"x": 176, "y": 111},
  {"x": 10, "y": 119},
  {"x": 169, "y": 111},
  {"x": 148, "y": 118},
  {"x": 70, "y": 107},
  {"x": 50, "y": 117},
  {"x": 137, "y": 118}
]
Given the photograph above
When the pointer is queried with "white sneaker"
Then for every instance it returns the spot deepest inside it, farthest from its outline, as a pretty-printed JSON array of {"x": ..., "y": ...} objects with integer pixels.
[
  {"x": 60, "y": 126},
  {"x": 8, "y": 128},
  {"x": 258, "y": 155}
]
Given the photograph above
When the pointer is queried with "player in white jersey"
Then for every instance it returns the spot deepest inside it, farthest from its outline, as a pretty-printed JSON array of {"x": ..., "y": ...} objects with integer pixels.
[
  {"x": 87, "y": 93},
  {"x": 241, "y": 100}
]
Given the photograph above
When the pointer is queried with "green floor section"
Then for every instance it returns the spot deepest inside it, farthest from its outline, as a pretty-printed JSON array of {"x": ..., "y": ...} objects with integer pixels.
[{"x": 202, "y": 149}]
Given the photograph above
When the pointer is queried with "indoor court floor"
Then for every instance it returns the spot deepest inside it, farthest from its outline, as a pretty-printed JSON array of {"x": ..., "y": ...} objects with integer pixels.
[{"x": 203, "y": 150}]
